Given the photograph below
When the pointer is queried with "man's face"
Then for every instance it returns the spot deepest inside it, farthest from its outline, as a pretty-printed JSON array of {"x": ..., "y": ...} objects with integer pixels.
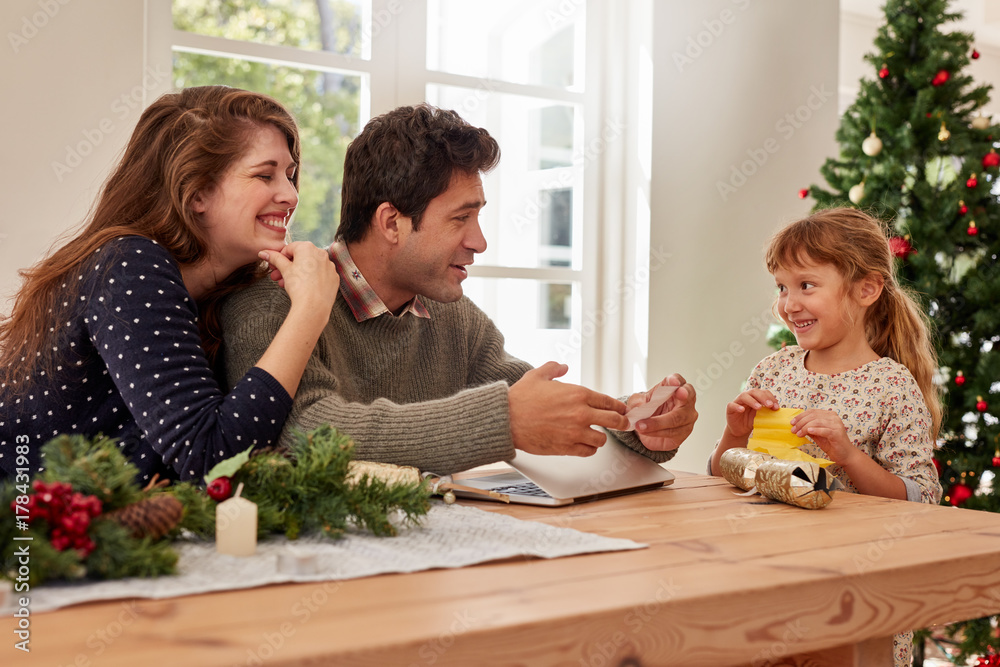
[{"x": 431, "y": 261}]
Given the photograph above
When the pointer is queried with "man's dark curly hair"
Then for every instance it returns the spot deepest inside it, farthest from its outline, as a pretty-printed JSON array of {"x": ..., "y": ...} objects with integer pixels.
[{"x": 406, "y": 157}]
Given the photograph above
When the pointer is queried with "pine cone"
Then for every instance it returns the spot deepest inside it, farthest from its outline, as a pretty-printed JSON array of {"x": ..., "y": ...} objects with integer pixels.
[{"x": 150, "y": 517}]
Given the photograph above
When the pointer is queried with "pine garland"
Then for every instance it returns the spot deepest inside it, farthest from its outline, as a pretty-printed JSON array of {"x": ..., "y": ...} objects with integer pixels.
[
  {"x": 94, "y": 468},
  {"x": 308, "y": 489}
]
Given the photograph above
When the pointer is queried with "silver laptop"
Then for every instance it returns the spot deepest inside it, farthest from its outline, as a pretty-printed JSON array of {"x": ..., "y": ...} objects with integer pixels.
[{"x": 561, "y": 480}]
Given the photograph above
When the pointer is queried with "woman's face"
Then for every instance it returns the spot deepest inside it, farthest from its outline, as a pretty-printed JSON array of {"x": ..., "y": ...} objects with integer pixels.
[{"x": 248, "y": 210}]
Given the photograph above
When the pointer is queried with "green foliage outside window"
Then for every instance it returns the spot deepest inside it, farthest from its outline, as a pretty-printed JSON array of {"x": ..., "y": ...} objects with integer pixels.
[{"x": 325, "y": 104}]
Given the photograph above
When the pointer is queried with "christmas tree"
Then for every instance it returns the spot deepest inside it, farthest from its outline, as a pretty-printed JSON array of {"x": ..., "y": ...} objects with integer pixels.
[{"x": 917, "y": 152}]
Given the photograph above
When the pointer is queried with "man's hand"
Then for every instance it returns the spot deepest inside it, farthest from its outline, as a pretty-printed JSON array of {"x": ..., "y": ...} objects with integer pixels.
[
  {"x": 549, "y": 417},
  {"x": 673, "y": 422}
]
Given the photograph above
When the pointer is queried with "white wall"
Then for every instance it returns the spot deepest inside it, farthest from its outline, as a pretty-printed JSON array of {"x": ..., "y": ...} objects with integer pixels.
[
  {"x": 76, "y": 73},
  {"x": 754, "y": 107},
  {"x": 72, "y": 76}
]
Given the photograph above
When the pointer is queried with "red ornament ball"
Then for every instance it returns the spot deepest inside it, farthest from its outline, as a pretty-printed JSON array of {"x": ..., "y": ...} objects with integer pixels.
[
  {"x": 982, "y": 405},
  {"x": 803, "y": 193},
  {"x": 972, "y": 182},
  {"x": 220, "y": 489},
  {"x": 963, "y": 209},
  {"x": 975, "y": 54},
  {"x": 883, "y": 73},
  {"x": 960, "y": 379},
  {"x": 901, "y": 247},
  {"x": 941, "y": 78},
  {"x": 996, "y": 460},
  {"x": 991, "y": 159},
  {"x": 958, "y": 494},
  {"x": 972, "y": 230}
]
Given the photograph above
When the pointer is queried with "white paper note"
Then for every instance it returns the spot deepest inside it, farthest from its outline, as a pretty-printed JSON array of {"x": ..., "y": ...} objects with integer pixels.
[{"x": 645, "y": 410}]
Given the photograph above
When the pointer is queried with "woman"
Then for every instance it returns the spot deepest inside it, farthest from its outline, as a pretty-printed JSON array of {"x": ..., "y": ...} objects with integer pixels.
[{"x": 115, "y": 333}]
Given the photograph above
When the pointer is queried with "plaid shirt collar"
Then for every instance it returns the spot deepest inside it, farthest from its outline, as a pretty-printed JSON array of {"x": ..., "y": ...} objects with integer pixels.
[{"x": 359, "y": 295}]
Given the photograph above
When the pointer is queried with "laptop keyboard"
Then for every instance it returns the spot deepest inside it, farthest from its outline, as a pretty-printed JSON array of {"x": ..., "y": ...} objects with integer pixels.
[{"x": 522, "y": 489}]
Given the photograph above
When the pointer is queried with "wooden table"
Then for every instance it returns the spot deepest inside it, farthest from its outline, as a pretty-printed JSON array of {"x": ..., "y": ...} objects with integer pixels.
[{"x": 727, "y": 580}]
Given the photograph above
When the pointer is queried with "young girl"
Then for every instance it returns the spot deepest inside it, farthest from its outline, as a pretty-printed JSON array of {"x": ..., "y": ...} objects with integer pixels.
[
  {"x": 861, "y": 370},
  {"x": 113, "y": 333}
]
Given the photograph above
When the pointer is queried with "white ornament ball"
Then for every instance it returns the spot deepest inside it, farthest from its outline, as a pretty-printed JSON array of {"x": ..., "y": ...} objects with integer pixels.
[
  {"x": 981, "y": 122},
  {"x": 857, "y": 193},
  {"x": 871, "y": 146}
]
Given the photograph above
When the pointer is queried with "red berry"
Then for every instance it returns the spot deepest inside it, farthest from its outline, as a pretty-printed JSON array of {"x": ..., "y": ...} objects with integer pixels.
[{"x": 220, "y": 489}]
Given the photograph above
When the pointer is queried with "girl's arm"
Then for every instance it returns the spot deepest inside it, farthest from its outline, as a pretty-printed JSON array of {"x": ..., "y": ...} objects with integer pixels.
[
  {"x": 870, "y": 476},
  {"x": 901, "y": 463}
]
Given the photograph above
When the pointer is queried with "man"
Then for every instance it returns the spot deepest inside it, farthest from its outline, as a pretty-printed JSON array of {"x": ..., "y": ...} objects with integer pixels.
[{"x": 408, "y": 367}]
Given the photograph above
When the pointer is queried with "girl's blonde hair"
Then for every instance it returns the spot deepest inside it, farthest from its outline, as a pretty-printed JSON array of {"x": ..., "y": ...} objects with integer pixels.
[{"x": 857, "y": 246}]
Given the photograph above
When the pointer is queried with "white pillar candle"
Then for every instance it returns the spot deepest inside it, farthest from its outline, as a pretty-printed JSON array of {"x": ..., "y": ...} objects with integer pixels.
[{"x": 236, "y": 526}]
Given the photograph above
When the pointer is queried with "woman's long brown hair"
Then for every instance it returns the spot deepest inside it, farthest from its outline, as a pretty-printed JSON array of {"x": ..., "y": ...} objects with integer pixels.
[{"x": 184, "y": 142}]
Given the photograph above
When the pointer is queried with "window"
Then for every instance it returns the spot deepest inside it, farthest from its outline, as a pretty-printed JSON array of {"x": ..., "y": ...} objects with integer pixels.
[{"x": 530, "y": 73}]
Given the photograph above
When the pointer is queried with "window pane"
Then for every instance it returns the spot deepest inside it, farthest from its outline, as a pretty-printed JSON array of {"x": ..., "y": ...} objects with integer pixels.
[
  {"x": 326, "y": 106},
  {"x": 338, "y": 26},
  {"x": 534, "y": 215},
  {"x": 531, "y": 43},
  {"x": 552, "y": 334}
]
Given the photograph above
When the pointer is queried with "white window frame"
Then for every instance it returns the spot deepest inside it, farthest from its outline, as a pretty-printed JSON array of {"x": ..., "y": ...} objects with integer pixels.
[{"x": 614, "y": 276}]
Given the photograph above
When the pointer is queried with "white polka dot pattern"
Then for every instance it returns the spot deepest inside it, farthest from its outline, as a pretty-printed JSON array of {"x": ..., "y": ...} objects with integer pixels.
[{"x": 120, "y": 374}]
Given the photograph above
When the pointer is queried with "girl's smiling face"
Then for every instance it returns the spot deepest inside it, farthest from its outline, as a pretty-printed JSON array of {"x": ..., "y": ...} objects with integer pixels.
[{"x": 816, "y": 304}]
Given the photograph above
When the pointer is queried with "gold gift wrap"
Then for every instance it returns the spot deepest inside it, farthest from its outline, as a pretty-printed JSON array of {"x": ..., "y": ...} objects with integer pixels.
[
  {"x": 739, "y": 466},
  {"x": 798, "y": 483}
]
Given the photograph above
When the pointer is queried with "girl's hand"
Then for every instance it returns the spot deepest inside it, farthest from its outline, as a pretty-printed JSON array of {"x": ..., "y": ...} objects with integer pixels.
[
  {"x": 827, "y": 430},
  {"x": 741, "y": 412},
  {"x": 306, "y": 273}
]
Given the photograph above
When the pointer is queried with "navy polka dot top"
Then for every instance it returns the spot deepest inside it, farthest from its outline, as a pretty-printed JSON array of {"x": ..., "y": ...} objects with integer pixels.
[{"x": 130, "y": 366}]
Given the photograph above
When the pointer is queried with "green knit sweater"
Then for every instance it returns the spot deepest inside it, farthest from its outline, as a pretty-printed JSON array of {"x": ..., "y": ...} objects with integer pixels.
[{"x": 430, "y": 393}]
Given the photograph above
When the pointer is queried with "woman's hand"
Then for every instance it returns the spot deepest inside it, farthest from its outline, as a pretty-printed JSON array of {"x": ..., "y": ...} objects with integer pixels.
[
  {"x": 742, "y": 410},
  {"x": 312, "y": 283},
  {"x": 827, "y": 430},
  {"x": 306, "y": 273}
]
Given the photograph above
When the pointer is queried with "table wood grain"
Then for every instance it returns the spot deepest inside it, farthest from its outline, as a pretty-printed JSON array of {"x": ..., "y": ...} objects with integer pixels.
[{"x": 726, "y": 580}]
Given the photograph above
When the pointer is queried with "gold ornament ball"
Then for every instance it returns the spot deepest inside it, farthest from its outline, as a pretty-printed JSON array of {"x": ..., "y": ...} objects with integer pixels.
[
  {"x": 944, "y": 134},
  {"x": 857, "y": 193},
  {"x": 871, "y": 146},
  {"x": 981, "y": 122},
  {"x": 449, "y": 497}
]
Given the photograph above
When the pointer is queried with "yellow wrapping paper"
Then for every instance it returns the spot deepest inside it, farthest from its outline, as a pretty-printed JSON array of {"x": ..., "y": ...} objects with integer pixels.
[{"x": 772, "y": 434}]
